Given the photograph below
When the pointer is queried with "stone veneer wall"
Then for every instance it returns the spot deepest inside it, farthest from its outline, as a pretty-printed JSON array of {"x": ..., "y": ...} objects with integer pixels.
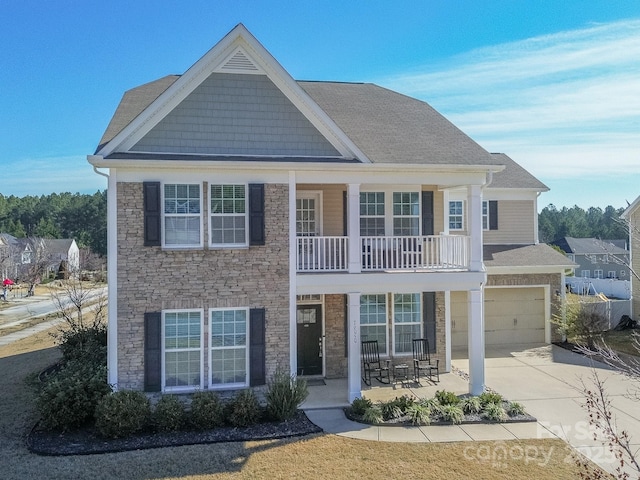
[
  {"x": 554, "y": 280},
  {"x": 334, "y": 330},
  {"x": 151, "y": 279}
]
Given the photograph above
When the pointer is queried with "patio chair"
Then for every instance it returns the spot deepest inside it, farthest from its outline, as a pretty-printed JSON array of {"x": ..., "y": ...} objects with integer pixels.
[
  {"x": 422, "y": 361},
  {"x": 372, "y": 365}
]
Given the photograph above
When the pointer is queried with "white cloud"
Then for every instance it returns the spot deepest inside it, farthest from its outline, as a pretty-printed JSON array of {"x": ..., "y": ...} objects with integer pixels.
[{"x": 566, "y": 104}]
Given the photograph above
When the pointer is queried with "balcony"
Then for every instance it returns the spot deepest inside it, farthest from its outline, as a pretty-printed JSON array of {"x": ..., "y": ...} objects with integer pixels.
[{"x": 430, "y": 252}]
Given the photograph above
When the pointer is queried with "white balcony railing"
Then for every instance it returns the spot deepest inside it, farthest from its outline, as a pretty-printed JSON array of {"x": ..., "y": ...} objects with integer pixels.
[{"x": 431, "y": 252}]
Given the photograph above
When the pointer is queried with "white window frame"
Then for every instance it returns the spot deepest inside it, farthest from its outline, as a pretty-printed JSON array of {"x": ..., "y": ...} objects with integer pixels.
[
  {"x": 485, "y": 215},
  {"x": 183, "y": 388},
  {"x": 244, "y": 244},
  {"x": 384, "y": 348},
  {"x": 598, "y": 273},
  {"x": 612, "y": 274},
  {"x": 394, "y": 324},
  {"x": 461, "y": 215},
  {"x": 586, "y": 273},
  {"x": 389, "y": 216},
  {"x": 417, "y": 216},
  {"x": 181, "y": 215},
  {"x": 316, "y": 196},
  {"x": 232, "y": 385},
  {"x": 376, "y": 216}
]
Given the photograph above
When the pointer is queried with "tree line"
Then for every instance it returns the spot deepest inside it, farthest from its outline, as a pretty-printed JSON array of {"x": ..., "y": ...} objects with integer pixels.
[
  {"x": 554, "y": 223},
  {"x": 82, "y": 217}
]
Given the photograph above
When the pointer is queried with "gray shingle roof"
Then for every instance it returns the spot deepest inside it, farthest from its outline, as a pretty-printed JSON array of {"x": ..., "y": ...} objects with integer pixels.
[
  {"x": 513, "y": 176},
  {"x": 589, "y": 245},
  {"x": 537, "y": 255}
]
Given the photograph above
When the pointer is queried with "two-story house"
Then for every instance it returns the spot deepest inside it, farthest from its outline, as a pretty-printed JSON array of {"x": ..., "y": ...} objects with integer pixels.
[
  {"x": 257, "y": 222},
  {"x": 632, "y": 217},
  {"x": 597, "y": 258}
]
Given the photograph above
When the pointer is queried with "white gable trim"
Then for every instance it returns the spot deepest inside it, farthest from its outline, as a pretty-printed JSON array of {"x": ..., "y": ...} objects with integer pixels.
[{"x": 238, "y": 52}]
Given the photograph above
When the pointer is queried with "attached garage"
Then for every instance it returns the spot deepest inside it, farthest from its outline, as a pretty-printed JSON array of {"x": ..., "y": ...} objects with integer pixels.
[{"x": 512, "y": 315}]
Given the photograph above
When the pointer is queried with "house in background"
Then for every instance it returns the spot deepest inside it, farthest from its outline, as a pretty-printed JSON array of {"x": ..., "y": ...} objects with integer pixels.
[
  {"x": 597, "y": 258},
  {"x": 258, "y": 222},
  {"x": 632, "y": 216},
  {"x": 21, "y": 258}
]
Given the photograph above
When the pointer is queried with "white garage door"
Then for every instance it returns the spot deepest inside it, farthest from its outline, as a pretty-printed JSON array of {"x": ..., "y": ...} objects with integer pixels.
[{"x": 511, "y": 315}]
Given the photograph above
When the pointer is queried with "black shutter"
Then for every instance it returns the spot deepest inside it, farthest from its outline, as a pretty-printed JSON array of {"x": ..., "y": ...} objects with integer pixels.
[
  {"x": 152, "y": 351},
  {"x": 427, "y": 213},
  {"x": 256, "y": 214},
  {"x": 257, "y": 367},
  {"x": 493, "y": 215},
  {"x": 429, "y": 318},
  {"x": 344, "y": 214},
  {"x": 151, "y": 194}
]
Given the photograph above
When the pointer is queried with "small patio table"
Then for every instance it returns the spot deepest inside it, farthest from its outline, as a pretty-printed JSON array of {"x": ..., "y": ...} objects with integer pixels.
[{"x": 401, "y": 372}]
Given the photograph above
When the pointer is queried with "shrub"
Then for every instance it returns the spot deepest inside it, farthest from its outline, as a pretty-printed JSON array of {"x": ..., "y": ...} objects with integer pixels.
[
  {"x": 122, "y": 413},
  {"x": 284, "y": 393},
  {"x": 447, "y": 398},
  {"x": 207, "y": 411},
  {"x": 244, "y": 409},
  {"x": 495, "y": 412},
  {"x": 373, "y": 415},
  {"x": 169, "y": 414},
  {"x": 452, "y": 413},
  {"x": 88, "y": 344},
  {"x": 68, "y": 399},
  {"x": 360, "y": 405},
  {"x": 471, "y": 405},
  {"x": 420, "y": 414},
  {"x": 515, "y": 408},
  {"x": 390, "y": 410},
  {"x": 490, "y": 397}
]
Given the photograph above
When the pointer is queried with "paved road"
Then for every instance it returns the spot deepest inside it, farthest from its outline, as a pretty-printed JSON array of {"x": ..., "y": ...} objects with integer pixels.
[{"x": 25, "y": 309}]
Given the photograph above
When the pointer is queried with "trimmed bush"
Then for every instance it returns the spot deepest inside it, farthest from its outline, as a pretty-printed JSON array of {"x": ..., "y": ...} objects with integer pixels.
[
  {"x": 284, "y": 393},
  {"x": 494, "y": 412},
  {"x": 244, "y": 409},
  {"x": 88, "y": 344},
  {"x": 207, "y": 411},
  {"x": 471, "y": 405},
  {"x": 68, "y": 399},
  {"x": 360, "y": 405},
  {"x": 452, "y": 413},
  {"x": 515, "y": 408},
  {"x": 169, "y": 414},
  {"x": 447, "y": 398},
  {"x": 490, "y": 397},
  {"x": 122, "y": 413}
]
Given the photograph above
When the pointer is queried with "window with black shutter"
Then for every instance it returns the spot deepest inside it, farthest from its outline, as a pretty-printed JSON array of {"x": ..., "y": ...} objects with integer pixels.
[
  {"x": 257, "y": 351},
  {"x": 152, "y": 351}
]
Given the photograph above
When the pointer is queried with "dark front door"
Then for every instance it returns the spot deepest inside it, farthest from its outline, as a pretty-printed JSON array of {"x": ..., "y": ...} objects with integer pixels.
[{"x": 309, "y": 321}]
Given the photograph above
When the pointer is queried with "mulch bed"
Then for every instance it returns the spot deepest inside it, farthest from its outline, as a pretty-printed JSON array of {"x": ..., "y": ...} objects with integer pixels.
[{"x": 87, "y": 441}]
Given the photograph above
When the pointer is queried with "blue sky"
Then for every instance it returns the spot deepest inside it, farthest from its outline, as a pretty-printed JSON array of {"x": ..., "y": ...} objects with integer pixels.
[{"x": 554, "y": 84}]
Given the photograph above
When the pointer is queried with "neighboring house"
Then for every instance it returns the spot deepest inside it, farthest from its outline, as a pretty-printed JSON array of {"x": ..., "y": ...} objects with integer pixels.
[
  {"x": 49, "y": 257},
  {"x": 632, "y": 216},
  {"x": 597, "y": 258},
  {"x": 257, "y": 222}
]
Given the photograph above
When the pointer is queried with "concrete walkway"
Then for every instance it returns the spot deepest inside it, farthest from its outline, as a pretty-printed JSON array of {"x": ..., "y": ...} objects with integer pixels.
[{"x": 546, "y": 379}]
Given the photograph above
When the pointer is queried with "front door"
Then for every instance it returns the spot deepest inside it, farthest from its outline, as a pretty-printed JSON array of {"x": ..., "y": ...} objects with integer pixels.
[{"x": 309, "y": 322}]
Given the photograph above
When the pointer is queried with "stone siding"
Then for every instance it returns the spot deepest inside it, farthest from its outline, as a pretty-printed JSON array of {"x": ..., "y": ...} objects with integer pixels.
[
  {"x": 334, "y": 347},
  {"x": 151, "y": 279}
]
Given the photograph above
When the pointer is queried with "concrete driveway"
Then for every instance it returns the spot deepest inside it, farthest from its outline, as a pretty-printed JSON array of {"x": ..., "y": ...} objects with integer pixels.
[{"x": 546, "y": 379}]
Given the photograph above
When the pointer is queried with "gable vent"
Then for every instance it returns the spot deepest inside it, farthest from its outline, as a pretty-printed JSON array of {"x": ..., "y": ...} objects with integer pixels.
[{"x": 239, "y": 62}]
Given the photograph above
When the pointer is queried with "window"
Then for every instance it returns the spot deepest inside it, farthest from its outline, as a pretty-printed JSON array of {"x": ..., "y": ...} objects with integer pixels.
[
  {"x": 182, "y": 352},
  {"x": 229, "y": 219},
  {"x": 586, "y": 273},
  {"x": 372, "y": 214},
  {"x": 598, "y": 273},
  {"x": 485, "y": 215},
  {"x": 456, "y": 215},
  {"x": 182, "y": 217},
  {"x": 406, "y": 321},
  {"x": 26, "y": 257},
  {"x": 228, "y": 360},
  {"x": 406, "y": 213},
  {"x": 373, "y": 319},
  {"x": 611, "y": 274}
]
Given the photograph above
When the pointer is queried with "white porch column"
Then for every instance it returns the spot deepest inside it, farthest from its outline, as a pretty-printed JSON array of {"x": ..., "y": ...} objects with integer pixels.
[
  {"x": 474, "y": 216},
  {"x": 112, "y": 272},
  {"x": 353, "y": 228},
  {"x": 447, "y": 331},
  {"x": 293, "y": 246},
  {"x": 353, "y": 333},
  {"x": 475, "y": 301}
]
